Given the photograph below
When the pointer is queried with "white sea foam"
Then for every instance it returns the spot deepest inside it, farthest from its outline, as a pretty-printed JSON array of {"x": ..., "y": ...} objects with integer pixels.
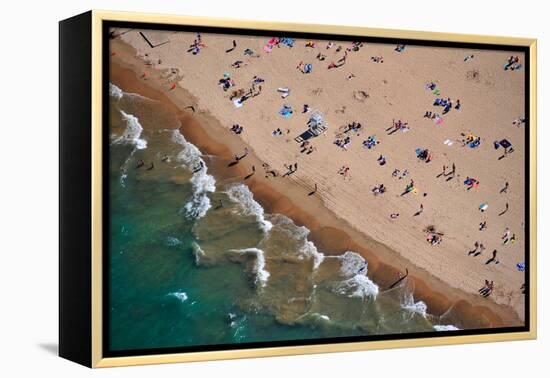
[
  {"x": 299, "y": 233},
  {"x": 202, "y": 182},
  {"x": 248, "y": 206},
  {"x": 172, "y": 241},
  {"x": 118, "y": 93},
  {"x": 352, "y": 264},
  {"x": 261, "y": 274},
  {"x": 180, "y": 295},
  {"x": 449, "y": 327},
  {"x": 358, "y": 286},
  {"x": 132, "y": 132},
  {"x": 310, "y": 250},
  {"x": 419, "y": 308},
  {"x": 115, "y": 91},
  {"x": 197, "y": 252}
]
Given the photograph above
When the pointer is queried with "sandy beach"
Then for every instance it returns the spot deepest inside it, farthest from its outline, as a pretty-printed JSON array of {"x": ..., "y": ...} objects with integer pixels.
[{"x": 376, "y": 87}]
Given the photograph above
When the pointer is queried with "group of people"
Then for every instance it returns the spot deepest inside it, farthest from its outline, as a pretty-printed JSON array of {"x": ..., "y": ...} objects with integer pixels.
[
  {"x": 344, "y": 171},
  {"x": 398, "y": 125},
  {"x": 344, "y": 138},
  {"x": 512, "y": 64},
  {"x": 306, "y": 147},
  {"x": 447, "y": 104},
  {"x": 197, "y": 45},
  {"x": 237, "y": 129}
]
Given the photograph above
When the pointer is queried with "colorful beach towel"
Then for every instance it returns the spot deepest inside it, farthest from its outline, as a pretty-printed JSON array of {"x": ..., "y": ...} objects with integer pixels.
[
  {"x": 286, "y": 111},
  {"x": 520, "y": 267}
]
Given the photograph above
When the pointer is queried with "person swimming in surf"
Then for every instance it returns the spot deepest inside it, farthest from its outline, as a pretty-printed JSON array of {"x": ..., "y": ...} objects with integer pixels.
[{"x": 199, "y": 167}]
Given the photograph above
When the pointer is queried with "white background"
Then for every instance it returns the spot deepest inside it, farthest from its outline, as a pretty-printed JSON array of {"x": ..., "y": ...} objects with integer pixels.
[{"x": 29, "y": 188}]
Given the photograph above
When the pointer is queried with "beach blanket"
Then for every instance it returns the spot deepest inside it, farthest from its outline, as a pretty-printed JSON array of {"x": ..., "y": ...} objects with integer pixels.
[
  {"x": 287, "y": 41},
  {"x": 286, "y": 111},
  {"x": 505, "y": 143},
  {"x": 475, "y": 143},
  {"x": 273, "y": 41}
]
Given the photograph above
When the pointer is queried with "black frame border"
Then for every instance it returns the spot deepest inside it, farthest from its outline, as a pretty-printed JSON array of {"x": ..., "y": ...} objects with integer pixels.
[{"x": 107, "y": 352}]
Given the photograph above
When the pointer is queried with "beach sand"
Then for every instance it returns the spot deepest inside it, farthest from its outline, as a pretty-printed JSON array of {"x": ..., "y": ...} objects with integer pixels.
[{"x": 343, "y": 214}]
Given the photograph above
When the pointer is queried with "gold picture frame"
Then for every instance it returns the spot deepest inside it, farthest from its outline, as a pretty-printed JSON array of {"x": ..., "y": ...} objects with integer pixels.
[{"x": 94, "y": 334}]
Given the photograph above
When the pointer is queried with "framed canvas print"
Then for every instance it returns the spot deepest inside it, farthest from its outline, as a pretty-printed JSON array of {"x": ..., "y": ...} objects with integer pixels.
[{"x": 236, "y": 189}]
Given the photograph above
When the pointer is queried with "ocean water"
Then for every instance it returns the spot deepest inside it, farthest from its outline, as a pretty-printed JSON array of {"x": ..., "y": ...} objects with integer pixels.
[{"x": 197, "y": 262}]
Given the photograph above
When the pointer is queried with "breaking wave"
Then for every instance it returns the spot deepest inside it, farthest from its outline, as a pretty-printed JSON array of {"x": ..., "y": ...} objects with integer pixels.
[
  {"x": 248, "y": 206},
  {"x": 202, "y": 182},
  {"x": 132, "y": 132},
  {"x": 260, "y": 273}
]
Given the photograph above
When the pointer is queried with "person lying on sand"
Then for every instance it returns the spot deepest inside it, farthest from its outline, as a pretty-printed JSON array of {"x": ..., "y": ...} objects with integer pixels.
[{"x": 380, "y": 189}]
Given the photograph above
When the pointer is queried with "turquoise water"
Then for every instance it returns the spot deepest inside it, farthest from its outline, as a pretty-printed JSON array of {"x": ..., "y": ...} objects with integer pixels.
[{"x": 185, "y": 271}]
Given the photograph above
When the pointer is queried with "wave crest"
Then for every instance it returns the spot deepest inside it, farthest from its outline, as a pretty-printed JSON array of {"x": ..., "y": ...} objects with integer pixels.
[
  {"x": 132, "y": 132},
  {"x": 202, "y": 182},
  {"x": 241, "y": 195}
]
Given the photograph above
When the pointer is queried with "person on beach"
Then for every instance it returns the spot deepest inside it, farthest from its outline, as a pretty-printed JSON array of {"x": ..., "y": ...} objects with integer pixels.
[
  {"x": 199, "y": 167},
  {"x": 443, "y": 172},
  {"x": 380, "y": 189},
  {"x": 313, "y": 191},
  {"x": 487, "y": 289},
  {"x": 476, "y": 247},
  {"x": 245, "y": 154},
  {"x": 400, "y": 48},
  {"x": 493, "y": 258},
  {"x": 483, "y": 226},
  {"x": 505, "y": 188},
  {"x": 232, "y": 48},
  {"x": 394, "y": 215},
  {"x": 507, "y": 206},
  {"x": 452, "y": 172}
]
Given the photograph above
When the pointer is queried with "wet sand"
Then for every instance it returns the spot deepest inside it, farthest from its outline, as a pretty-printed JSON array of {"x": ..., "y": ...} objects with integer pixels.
[{"x": 331, "y": 234}]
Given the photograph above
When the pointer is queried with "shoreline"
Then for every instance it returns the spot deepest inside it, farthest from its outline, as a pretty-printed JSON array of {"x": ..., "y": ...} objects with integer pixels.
[{"x": 326, "y": 229}]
